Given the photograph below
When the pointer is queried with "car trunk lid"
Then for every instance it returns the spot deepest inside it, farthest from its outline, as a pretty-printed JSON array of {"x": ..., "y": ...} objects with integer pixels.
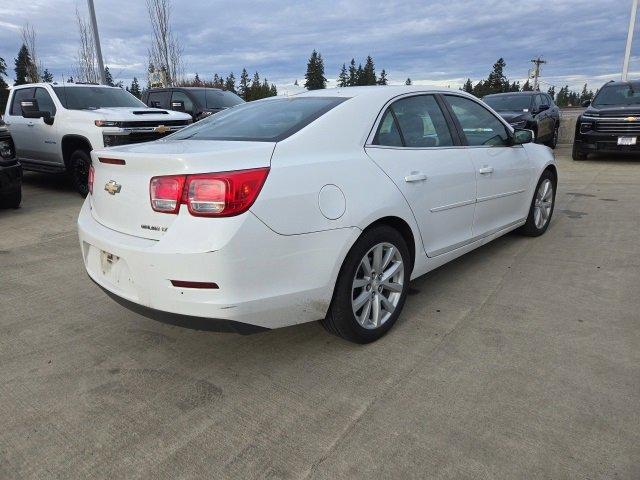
[{"x": 120, "y": 198}]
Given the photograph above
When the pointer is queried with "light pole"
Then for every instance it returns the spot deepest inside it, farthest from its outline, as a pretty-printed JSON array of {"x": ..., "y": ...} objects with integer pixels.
[
  {"x": 627, "y": 52},
  {"x": 96, "y": 40}
]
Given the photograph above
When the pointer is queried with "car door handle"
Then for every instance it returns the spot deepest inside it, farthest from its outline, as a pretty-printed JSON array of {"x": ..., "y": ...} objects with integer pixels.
[
  {"x": 485, "y": 170},
  {"x": 415, "y": 177},
  {"x": 30, "y": 124}
]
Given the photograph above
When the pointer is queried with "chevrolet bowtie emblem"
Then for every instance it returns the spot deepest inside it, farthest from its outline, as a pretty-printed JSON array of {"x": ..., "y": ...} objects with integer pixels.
[
  {"x": 112, "y": 187},
  {"x": 161, "y": 129},
  {"x": 631, "y": 119}
]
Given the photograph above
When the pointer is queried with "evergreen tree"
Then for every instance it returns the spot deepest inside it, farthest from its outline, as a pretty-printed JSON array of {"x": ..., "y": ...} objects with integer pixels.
[
  {"x": 108, "y": 78},
  {"x": 369, "y": 72},
  {"x": 70, "y": 80},
  {"x": 360, "y": 75},
  {"x": 135, "y": 88},
  {"x": 196, "y": 80},
  {"x": 585, "y": 95},
  {"x": 552, "y": 92},
  {"x": 22, "y": 63},
  {"x": 353, "y": 79},
  {"x": 3, "y": 73},
  {"x": 47, "y": 76},
  {"x": 343, "y": 78},
  {"x": 273, "y": 91},
  {"x": 527, "y": 86},
  {"x": 314, "y": 78},
  {"x": 408, "y": 82},
  {"x": 497, "y": 82},
  {"x": 383, "y": 78},
  {"x": 468, "y": 86},
  {"x": 515, "y": 87},
  {"x": 230, "y": 83},
  {"x": 254, "y": 88},
  {"x": 296, "y": 82},
  {"x": 243, "y": 87}
]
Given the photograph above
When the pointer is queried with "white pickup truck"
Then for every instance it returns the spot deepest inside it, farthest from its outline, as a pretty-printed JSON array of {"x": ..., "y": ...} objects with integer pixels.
[{"x": 55, "y": 126}]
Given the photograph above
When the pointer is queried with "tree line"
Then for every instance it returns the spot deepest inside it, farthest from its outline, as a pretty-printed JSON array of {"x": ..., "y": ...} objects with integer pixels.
[
  {"x": 497, "y": 82},
  {"x": 348, "y": 77},
  {"x": 248, "y": 88}
]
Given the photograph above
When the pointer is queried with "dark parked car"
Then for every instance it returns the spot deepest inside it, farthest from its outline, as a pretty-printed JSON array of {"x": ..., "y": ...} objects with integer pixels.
[
  {"x": 611, "y": 123},
  {"x": 532, "y": 110},
  {"x": 10, "y": 171},
  {"x": 199, "y": 102}
]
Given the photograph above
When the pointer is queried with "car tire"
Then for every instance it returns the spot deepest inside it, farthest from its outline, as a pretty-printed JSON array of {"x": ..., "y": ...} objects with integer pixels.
[
  {"x": 554, "y": 139},
  {"x": 365, "y": 306},
  {"x": 577, "y": 153},
  {"x": 542, "y": 205},
  {"x": 12, "y": 199},
  {"x": 78, "y": 168}
]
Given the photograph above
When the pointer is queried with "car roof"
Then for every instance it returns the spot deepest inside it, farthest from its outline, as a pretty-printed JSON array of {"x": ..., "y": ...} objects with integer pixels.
[
  {"x": 522, "y": 94},
  {"x": 377, "y": 91},
  {"x": 55, "y": 84},
  {"x": 618, "y": 83}
]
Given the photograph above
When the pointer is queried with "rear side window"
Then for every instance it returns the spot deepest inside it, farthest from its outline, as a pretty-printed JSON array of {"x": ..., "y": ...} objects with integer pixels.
[
  {"x": 261, "y": 121},
  {"x": 419, "y": 123},
  {"x": 18, "y": 96},
  {"x": 480, "y": 126},
  {"x": 158, "y": 99}
]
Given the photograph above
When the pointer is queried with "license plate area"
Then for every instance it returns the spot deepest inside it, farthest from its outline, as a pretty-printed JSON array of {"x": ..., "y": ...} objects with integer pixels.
[
  {"x": 111, "y": 270},
  {"x": 627, "y": 140}
]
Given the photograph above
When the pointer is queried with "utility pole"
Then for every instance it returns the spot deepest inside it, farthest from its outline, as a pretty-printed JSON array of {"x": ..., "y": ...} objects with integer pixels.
[
  {"x": 627, "y": 52},
  {"x": 96, "y": 40},
  {"x": 536, "y": 72}
]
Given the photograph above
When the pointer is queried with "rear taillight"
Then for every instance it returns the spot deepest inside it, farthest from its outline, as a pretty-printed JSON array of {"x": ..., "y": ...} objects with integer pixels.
[
  {"x": 90, "y": 178},
  {"x": 166, "y": 192},
  {"x": 210, "y": 194}
]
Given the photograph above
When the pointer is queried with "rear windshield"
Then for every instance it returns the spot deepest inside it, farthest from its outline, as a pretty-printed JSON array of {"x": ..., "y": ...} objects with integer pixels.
[
  {"x": 513, "y": 103},
  {"x": 91, "y": 98},
  {"x": 216, "y": 99},
  {"x": 262, "y": 121},
  {"x": 618, "y": 95}
]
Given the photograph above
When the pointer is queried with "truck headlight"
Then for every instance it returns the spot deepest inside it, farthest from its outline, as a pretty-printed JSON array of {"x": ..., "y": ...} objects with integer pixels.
[
  {"x": 585, "y": 127},
  {"x": 6, "y": 149},
  {"x": 106, "y": 123}
]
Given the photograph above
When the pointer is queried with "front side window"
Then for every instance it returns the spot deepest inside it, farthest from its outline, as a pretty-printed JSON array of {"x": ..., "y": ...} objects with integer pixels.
[
  {"x": 92, "y": 98},
  {"x": 179, "y": 96},
  {"x": 45, "y": 103},
  {"x": 270, "y": 120},
  {"x": 222, "y": 99},
  {"x": 480, "y": 126},
  {"x": 21, "y": 94},
  {"x": 419, "y": 123}
]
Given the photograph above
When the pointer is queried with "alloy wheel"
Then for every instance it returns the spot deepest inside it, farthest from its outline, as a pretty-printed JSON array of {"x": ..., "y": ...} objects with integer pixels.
[
  {"x": 377, "y": 285},
  {"x": 543, "y": 203}
]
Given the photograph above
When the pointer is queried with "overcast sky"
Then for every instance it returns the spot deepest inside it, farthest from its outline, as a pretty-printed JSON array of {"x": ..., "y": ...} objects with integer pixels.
[{"x": 432, "y": 42}]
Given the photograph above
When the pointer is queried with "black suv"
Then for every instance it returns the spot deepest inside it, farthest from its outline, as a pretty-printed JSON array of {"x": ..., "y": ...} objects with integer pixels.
[
  {"x": 10, "y": 171},
  {"x": 531, "y": 110},
  {"x": 611, "y": 123},
  {"x": 199, "y": 102}
]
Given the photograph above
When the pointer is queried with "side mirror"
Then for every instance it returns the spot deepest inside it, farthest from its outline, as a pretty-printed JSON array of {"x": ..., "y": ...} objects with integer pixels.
[
  {"x": 31, "y": 109},
  {"x": 586, "y": 103},
  {"x": 177, "y": 105},
  {"x": 521, "y": 136},
  {"x": 542, "y": 108}
]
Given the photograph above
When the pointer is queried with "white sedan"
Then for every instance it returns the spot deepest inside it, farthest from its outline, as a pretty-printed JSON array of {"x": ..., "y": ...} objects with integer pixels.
[{"x": 319, "y": 206}]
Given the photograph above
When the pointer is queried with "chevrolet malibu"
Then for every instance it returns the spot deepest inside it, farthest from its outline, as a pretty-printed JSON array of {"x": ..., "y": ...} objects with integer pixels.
[{"x": 319, "y": 206}]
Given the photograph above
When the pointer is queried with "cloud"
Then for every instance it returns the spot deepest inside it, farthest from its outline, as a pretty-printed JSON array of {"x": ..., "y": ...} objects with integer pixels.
[{"x": 439, "y": 43}]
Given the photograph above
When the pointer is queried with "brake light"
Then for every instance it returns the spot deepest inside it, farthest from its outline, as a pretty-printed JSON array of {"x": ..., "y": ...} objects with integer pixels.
[
  {"x": 209, "y": 194},
  {"x": 90, "y": 178},
  {"x": 166, "y": 192}
]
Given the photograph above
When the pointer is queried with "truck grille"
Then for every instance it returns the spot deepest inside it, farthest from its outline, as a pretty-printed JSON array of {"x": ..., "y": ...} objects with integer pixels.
[
  {"x": 619, "y": 127},
  {"x": 115, "y": 140},
  {"x": 155, "y": 123}
]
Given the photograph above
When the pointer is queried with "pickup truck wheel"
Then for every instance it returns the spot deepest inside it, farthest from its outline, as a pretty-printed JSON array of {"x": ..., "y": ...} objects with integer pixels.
[
  {"x": 78, "y": 167},
  {"x": 577, "y": 153},
  {"x": 12, "y": 199}
]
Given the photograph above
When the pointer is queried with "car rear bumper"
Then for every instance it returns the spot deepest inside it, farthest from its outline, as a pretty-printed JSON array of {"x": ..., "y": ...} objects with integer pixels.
[{"x": 264, "y": 279}]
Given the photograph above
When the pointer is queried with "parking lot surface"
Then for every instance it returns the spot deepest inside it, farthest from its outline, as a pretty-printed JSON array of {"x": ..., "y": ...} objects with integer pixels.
[{"x": 519, "y": 360}]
